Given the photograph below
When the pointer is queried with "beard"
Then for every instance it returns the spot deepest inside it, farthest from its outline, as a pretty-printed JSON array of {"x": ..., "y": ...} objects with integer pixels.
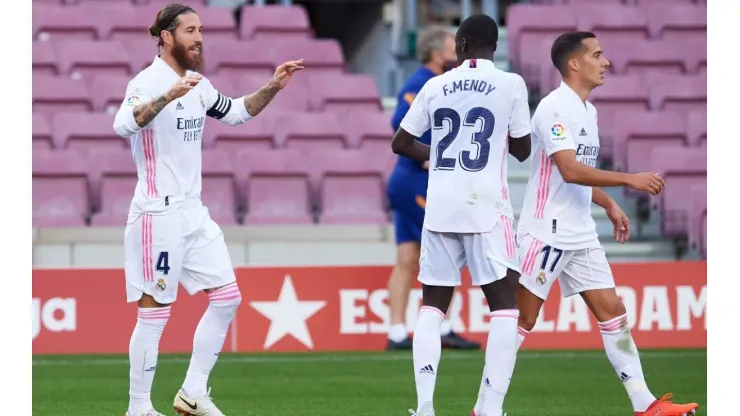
[{"x": 180, "y": 53}]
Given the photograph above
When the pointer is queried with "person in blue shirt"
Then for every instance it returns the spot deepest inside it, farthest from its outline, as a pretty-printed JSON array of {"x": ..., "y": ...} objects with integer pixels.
[{"x": 407, "y": 191}]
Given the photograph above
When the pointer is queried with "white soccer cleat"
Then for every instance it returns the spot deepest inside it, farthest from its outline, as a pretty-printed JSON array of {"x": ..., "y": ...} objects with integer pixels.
[
  {"x": 426, "y": 409},
  {"x": 195, "y": 406},
  {"x": 150, "y": 412}
]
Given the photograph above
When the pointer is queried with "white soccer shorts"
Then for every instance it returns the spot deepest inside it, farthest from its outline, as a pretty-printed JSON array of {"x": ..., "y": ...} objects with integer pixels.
[
  {"x": 487, "y": 255},
  {"x": 577, "y": 270},
  {"x": 185, "y": 246}
]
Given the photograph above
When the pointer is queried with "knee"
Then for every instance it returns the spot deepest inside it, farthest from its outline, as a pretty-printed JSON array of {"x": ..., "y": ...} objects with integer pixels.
[
  {"x": 228, "y": 296},
  {"x": 613, "y": 308},
  {"x": 527, "y": 320},
  {"x": 408, "y": 263}
]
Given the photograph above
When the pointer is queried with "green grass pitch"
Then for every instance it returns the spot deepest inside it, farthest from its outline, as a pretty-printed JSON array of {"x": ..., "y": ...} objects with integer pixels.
[{"x": 374, "y": 384}]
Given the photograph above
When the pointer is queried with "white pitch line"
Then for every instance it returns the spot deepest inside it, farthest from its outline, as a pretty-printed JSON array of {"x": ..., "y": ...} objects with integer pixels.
[{"x": 308, "y": 358}]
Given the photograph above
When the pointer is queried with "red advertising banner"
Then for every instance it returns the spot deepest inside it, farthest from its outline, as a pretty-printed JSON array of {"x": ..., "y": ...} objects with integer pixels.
[{"x": 345, "y": 308}]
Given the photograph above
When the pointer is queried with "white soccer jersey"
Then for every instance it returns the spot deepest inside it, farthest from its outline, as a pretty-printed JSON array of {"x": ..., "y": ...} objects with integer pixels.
[
  {"x": 555, "y": 212},
  {"x": 167, "y": 151},
  {"x": 471, "y": 110}
]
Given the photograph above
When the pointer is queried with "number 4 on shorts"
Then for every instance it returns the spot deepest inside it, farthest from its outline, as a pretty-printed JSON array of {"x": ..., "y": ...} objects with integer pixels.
[{"x": 163, "y": 263}]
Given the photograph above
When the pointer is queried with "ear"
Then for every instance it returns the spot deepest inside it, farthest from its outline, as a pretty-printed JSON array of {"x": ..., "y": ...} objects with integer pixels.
[{"x": 167, "y": 37}]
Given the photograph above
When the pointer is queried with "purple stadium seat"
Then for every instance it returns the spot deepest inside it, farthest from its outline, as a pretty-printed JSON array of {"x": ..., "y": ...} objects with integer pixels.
[
  {"x": 613, "y": 23},
  {"x": 61, "y": 23},
  {"x": 60, "y": 189},
  {"x": 96, "y": 2},
  {"x": 581, "y": 3},
  {"x": 219, "y": 24},
  {"x": 619, "y": 93},
  {"x": 44, "y": 59},
  {"x": 352, "y": 189},
  {"x": 697, "y": 128},
  {"x": 115, "y": 174},
  {"x": 638, "y": 133},
  {"x": 292, "y": 98},
  {"x": 141, "y": 52},
  {"x": 110, "y": 91},
  {"x": 678, "y": 23},
  {"x": 369, "y": 131},
  {"x": 682, "y": 169},
  {"x": 236, "y": 59},
  {"x": 683, "y": 94},
  {"x": 274, "y": 22},
  {"x": 86, "y": 132},
  {"x": 320, "y": 56},
  {"x": 343, "y": 93},
  {"x": 649, "y": 57},
  {"x": 197, "y": 4},
  {"x": 88, "y": 59},
  {"x": 255, "y": 134},
  {"x": 49, "y": 2},
  {"x": 663, "y": 2},
  {"x": 54, "y": 94},
  {"x": 40, "y": 132},
  {"x": 225, "y": 86},
  {"x": 531, "y": 30},
  {"x": 219, "y": 186},
  {"x": 695, "y": 50},
  {"x": 697, "y": 218},
  {"x": 121, "y": 21},
  {"x": 308, "y": 131},
  {"x": 278, "y": 188}
]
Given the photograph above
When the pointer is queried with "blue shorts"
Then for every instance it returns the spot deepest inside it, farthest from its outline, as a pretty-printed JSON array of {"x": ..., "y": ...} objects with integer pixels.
[{"x": 407, "y": 192}]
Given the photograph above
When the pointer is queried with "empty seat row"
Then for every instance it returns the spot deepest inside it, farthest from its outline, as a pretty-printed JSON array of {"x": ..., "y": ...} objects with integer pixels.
[
  {"x": 123, "y": 21},
  {"x": 88, "y": 132},
  {"x": 619, "y": 2},
  {"x": 85, "y": 58},
  {"x": 286, "y": 187},
  {"x": 334, "y": 93},
  {"x": 195, "y": 3}
]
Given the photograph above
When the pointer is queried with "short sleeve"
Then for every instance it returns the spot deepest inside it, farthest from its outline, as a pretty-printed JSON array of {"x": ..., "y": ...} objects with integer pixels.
[
  {"x": 136, "y": 93},
  {"x": 520, "y": 122},
  {"x": 556, "y": 132},
  {"x": 416, "y": 121}
]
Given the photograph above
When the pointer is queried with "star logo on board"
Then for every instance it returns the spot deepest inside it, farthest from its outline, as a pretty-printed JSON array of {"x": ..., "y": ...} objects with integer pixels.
[{"x": 288, "y": 315}]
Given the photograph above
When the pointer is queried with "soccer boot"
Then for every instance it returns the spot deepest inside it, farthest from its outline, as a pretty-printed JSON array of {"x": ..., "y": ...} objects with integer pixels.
[
  {"x": 195, "y": 406},
  {"x": 472, "y": 413},
  {"x": 150, "y": 412},
  {"x": 426, "y": 409},
  {"x": 405, "y": 344},
  {"x": 456, "y": 342},
  {"x": 665, "y": 407}
]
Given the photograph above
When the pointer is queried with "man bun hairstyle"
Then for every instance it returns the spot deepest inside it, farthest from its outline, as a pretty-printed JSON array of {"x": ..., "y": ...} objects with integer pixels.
[
  {"x": 167, "y": 19},
  {"x": 565, "y": 46}
]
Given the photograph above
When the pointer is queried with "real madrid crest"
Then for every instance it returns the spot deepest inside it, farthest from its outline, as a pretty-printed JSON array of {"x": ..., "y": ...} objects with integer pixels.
[
  {"x": 541, "y": 279},
  {"x": 161, "y": 285},
  {"x": 202, "y": 101}
]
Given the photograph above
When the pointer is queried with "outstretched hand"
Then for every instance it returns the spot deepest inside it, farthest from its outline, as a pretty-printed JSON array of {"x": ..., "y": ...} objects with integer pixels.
[{"x": 284, "y": 72}]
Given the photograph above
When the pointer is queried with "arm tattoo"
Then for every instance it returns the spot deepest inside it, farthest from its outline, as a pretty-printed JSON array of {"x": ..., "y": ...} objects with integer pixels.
[
  {"x": 145, "y": 113},
  {"x": 258, "y": 100}
]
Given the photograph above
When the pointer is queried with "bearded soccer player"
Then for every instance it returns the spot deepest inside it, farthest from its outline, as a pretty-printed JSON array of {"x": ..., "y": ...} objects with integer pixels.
[
  {"x": 170, "y": 237},
  {"x": 557, "y": 235},
  {"x": 477, "y": 114}
]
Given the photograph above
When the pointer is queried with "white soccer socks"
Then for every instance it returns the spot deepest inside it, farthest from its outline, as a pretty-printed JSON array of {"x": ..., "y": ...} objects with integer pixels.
[
  {"x": 427, "y": 351},
  {"x": 478, "y": 409},
  {"x": 142, "y": 351},
  {"x": 622, "y": 353},
  {"x": 500, "y": 359},
  {"x": 210, "y": 336}
]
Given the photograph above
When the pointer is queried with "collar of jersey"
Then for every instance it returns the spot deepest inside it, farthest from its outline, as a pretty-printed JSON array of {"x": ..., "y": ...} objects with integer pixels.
[
  {"x": 481, "y": 64},
  {"x": 162, "y": 66},
  {"x": 568, "y": 91}
]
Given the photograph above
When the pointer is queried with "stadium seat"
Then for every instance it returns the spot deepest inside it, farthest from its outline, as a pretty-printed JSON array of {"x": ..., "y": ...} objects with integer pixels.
[
  {"x": 368, "y": 131},
  {"x": 235, "y": 59},
  {"x": 683, "y": 94},
  {"x": 55, "y": 23},
  {"x": 278, "y": 187},
  {"x": 649, "y": 57},
  {"x": 255, "y": 134},
  {"x": 122, "y": 21},
  {"x": 110, "y": 91},
  {"x": 640, "y": 132},
  {"x": 44, "y": 59},
  {"x": 60, "y": 189},
  {"x": 86, "y": 132},
  {"x": 219, "y": 186},
  {"x": 663, "y": 2},
  {"x": 682, "y": 169},
  {"x": 87, "y": 59},
  {"x": 268, "y": 23},
  {"x": 619, "y": 93},
  {"x": 343, "y": 93},
  {"x": 115, "y": 175},
  {"x": 141, "y": 52},
  {"x": 697, "y": 128},
  {"x": 225, "y": 86},
  {"x": 320, "y": 56},
  {"x": 40, "y": 132},
  {"x": 58, "y": 94},
  {"x": 309, "y": 131},
  {"x": 678, "y": 23},
  {"x": 292, "y": 98},
  {"x": 613, "y": 23},
  {"x": 351, "y": 187},
  {"x": 697, "y": 218}
]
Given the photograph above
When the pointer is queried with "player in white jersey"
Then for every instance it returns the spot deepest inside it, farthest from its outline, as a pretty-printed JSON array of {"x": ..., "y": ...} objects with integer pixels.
[
  {"x": 478, "y": 114},
  {"x": 170, "y": 237},
  {"x": 557, "y": 235}
]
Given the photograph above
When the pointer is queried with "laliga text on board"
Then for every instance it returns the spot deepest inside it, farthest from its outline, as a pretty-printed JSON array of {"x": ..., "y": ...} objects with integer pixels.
[{"x": 345, "y": 308}]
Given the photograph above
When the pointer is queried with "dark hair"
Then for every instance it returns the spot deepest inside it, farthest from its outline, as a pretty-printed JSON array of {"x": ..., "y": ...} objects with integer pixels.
[
  {"x": 167, "y": 19},
  {"x": 565, "y": 46},
  {"x": 480, "y": 32}
]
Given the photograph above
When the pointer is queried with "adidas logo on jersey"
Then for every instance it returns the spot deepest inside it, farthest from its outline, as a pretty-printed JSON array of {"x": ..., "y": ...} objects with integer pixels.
[
  {"x": 427, "y": 369},
  {"x": 583, "y": 132},
  {"x": 179, "y": 106}
]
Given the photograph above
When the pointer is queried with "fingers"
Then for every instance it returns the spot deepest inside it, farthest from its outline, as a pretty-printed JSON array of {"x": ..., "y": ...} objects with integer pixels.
[
  {"x": 290, "y": 66},
  {"x": 193, "y": 80}
]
